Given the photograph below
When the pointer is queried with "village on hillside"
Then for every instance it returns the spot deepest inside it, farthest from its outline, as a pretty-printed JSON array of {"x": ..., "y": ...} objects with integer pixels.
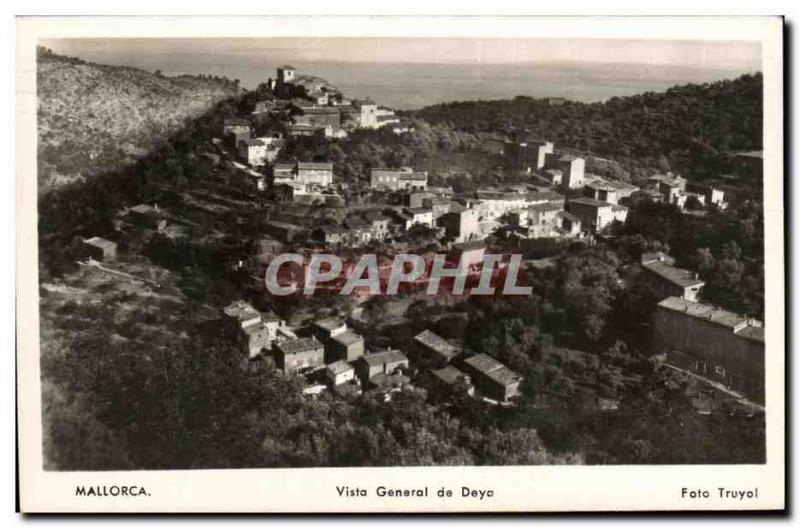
[{"x": 397, "y": 207}]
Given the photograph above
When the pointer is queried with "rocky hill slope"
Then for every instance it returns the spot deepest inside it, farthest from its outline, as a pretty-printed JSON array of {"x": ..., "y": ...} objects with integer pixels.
[{"x": 94, "y": 118}]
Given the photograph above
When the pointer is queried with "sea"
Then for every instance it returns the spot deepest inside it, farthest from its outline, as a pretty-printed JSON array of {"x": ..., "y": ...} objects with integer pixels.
[{"x": 408, "y": 86}]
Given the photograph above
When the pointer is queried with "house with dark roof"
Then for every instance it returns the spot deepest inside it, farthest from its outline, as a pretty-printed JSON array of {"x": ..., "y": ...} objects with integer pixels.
[
  {"x": 716, "y": 344},
  {"x": 434, "y": 349},
  {"x": 492, "y": 378}
]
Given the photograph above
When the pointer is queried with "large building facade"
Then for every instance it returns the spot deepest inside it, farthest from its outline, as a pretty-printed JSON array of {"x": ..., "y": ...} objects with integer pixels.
[{"x": 721, "y": 346}]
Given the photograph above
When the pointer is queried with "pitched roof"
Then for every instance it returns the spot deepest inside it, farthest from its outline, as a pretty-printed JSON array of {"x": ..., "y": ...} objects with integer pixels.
[
  {"x": 241, "y": 310},
  {"x": 416, "y": 176},
  {"x": 236, "y": 121},
  {"x": 309, "y": 165},
  {"x": 143, "y": 209},
  {"x": 101, "y": 243},
  {"x": 385, "y": 356},
  {"x": 283, "y": 167},
  {"x": 483, "y": 363},
  {"x": 504, "y": 376},
  {"x": 295, "y": 346},
  {"x": 569, "y": 216},
  {"x": 329, "y": 323},
  {"x": 545, "y": 207},
  {"x": 338, "y": 367},
  {"x": 450, "y": 375},
  {"x": 591, "y": 202},
  {"x": 437, "y": 343},
  {"x": 678, "y": 276},
  {"x": 347, "y": 338}
]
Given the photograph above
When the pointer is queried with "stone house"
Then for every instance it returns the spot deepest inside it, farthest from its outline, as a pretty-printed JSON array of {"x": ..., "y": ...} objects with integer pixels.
[
  {"x": 386, "y": 362},
  {"x": 339, "y": 372},
  {"x": 300, "y": 355}
]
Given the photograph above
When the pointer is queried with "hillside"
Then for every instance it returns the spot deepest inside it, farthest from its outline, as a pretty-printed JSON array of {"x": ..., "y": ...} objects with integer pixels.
[
  {"x": 688, "y": 128},
  {"x": 94, "y": 118}
]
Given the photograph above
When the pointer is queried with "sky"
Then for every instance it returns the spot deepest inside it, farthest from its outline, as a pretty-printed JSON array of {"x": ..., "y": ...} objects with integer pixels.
[{"x": 737, "y": 55}]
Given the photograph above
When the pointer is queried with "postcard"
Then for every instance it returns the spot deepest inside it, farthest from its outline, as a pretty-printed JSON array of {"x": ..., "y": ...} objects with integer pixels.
[{"x": 432, "y": 264}]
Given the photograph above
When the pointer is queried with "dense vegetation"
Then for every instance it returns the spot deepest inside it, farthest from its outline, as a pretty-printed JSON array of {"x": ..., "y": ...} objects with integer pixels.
[{"x": 689, "y": 129}]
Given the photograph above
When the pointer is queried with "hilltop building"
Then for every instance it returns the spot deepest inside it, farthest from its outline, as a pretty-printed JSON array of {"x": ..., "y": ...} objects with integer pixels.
[{"x": 527, "y": 155}]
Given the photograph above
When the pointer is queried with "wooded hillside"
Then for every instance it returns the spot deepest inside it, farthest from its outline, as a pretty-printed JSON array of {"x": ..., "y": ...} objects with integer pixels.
[{"x": 689, "y": 128}]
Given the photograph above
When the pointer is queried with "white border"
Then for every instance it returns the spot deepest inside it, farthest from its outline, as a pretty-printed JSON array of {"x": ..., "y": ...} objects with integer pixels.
[{"x": 562, "y": 488}]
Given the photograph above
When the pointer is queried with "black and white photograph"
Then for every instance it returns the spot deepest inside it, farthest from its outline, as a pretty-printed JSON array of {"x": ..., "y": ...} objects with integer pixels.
[{"x": 310, "y": 252}]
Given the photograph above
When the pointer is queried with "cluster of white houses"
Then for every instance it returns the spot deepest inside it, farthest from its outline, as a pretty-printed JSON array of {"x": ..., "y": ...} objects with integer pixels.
[{"x": 334, "y": 356}]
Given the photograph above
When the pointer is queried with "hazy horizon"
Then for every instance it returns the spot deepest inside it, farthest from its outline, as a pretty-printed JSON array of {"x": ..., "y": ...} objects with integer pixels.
[{"x": 431, "y": 71}]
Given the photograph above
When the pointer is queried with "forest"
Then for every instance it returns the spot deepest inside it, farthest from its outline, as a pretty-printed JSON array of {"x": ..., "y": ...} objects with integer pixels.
[{"x": 689, "y": 129}]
